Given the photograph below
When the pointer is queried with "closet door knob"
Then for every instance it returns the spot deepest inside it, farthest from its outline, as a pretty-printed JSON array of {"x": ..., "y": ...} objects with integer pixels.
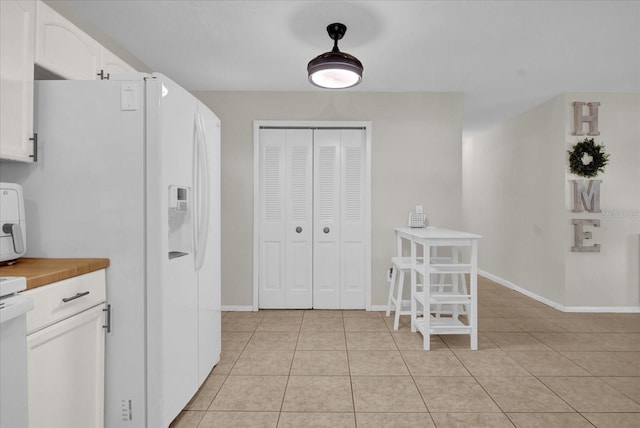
[
  {"x": 298, "y": 229},
  {"x": 325, "y": 230}
]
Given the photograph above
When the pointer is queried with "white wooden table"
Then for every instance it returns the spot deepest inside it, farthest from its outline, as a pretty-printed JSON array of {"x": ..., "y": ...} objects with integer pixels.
[{"x": 434, "y": 237}]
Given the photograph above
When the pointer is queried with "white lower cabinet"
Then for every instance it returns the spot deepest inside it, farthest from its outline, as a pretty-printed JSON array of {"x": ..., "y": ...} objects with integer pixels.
[{"x": 65, "y": 353}]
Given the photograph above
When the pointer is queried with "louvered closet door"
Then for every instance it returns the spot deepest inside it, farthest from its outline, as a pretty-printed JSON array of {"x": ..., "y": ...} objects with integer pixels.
[
  {"x": 339, "y": 252},
  {"x": 352, "y": 220},
  {"x": 326, "y": 245},
  {"x": 285, "y": 254}
]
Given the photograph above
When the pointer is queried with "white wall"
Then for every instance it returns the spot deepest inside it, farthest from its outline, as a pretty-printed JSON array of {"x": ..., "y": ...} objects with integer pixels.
[
  {"x": 516, "y": 194},
  {"x": 513, "y": 196},
  {"x": 416, "y": 159},
  {"x": 610, "y": 277}
]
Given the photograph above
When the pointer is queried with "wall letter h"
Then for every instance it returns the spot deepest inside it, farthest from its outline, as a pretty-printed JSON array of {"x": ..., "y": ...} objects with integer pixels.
[{"x": 579, "y": 118}]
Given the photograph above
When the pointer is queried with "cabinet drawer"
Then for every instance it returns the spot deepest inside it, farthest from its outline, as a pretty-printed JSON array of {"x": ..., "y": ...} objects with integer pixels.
[{"x": 81, "y": 293}]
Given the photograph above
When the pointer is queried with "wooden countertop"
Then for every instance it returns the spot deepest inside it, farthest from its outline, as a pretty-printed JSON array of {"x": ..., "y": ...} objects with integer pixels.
[{"x": 45, "y": 271}]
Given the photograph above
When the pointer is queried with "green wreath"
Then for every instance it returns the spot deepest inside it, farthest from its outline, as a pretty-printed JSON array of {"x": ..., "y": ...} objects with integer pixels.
[{"x": 579, "y": 162}]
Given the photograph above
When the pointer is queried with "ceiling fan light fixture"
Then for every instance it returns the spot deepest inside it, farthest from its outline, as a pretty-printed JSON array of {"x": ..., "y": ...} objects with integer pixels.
[{"x": 335, "y": 69}]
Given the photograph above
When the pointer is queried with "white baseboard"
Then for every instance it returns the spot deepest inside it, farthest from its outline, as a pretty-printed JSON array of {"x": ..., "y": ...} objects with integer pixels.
[
  {"x": 558, "y": 306},
  {"x": 249, "y": 308},
  {"x": 231, "y": 308},
  {"x": 608, "y": 309},
  {"x": 498, "y": 280}
]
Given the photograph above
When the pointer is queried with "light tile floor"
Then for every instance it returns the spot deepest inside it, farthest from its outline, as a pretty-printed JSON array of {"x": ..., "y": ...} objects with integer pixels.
[{"x": 535, "y": 367}]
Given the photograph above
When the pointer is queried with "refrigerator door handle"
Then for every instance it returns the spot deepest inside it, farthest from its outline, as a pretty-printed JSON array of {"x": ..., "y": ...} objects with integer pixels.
[{"x": 201, "y": 184}]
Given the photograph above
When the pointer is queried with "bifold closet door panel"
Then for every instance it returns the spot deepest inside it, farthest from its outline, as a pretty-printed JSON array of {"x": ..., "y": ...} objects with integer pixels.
[
  {"x": 353, "y": 232},
  {"x": 285, "y": 253},
  {"x": 299, "y": 224},
  {"x": 326, "y": 243},
  {"x": 339, "y": 233}
]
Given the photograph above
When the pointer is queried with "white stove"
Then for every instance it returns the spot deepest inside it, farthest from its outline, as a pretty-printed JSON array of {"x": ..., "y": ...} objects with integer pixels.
[
  {"x": 12, "y": 304},
  {"x": 12, "y": 284},
  {"x": 13, "y": 358}
]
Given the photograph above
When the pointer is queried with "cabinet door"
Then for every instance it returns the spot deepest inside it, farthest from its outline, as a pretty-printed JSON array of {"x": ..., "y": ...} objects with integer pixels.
[
  {"x": 66, "y": 372},
  {"x": 63, "y": 48},
  {"x": 110, "y": 63},
  {"x": 16, "y": 79}
]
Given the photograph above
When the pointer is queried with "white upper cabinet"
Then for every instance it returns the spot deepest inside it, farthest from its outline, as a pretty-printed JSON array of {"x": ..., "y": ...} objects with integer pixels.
[
  {"x": 16, "y": 79},
  {"x": 113, "y": 64},
  {"x": 33, "y": 33},
  {"x": 69, "y": 52},
  {"x": 63, "y": 48}
]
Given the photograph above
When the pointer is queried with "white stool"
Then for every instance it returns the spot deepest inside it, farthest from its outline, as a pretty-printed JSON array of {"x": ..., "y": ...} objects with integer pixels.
[
  {"x": 400, "y": 265},
  {"x": 457, "y": 285}
]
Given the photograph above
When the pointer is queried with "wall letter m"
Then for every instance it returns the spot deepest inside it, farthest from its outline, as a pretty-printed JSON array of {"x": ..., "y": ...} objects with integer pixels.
[{"x": 586, "y": 196}]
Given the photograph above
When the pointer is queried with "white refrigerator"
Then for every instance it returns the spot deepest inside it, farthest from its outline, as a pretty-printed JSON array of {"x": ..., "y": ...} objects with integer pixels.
[{"x": 129, "y": 169}]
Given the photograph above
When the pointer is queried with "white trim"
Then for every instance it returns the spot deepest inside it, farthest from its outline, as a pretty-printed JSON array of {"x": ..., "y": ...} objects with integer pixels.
[
  {"x": 368, "y": 128},
  {"x": 256, "y": 210},
  {"x": 232, "y": 308},
  {"x": 609, "y": 309},
  {"x": 558, "y": 306},
  {"x": 368, "y": 132}
]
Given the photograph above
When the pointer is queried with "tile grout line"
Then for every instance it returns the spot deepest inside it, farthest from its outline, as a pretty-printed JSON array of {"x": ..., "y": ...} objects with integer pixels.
[
  {"x": 284, "y": 393},
  {"x": 353, "y": 397}
]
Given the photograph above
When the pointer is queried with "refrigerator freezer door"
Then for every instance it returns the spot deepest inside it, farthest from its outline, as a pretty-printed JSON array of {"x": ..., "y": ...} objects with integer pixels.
[
  {"x": 209, "y": 278},
  {"x": 172, "y": 289}
]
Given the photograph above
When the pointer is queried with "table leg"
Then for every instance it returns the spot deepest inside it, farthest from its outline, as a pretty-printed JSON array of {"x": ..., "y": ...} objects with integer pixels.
[
  {"x": 473, "y": 316},
  {"x": 414, "y": 289},
  {"x": 426, "y": 297}
]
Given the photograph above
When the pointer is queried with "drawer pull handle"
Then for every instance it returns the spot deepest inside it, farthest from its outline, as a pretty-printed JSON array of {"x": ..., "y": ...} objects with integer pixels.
[{"x": 77, "y": 296}]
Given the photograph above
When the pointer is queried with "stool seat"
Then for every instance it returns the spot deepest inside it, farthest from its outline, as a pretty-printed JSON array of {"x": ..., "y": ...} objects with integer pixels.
[{"x": 403, "y": 262}]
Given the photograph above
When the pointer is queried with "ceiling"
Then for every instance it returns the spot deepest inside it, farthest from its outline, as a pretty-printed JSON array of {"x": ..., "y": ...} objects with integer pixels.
[{"x": 504, "y": 56}]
